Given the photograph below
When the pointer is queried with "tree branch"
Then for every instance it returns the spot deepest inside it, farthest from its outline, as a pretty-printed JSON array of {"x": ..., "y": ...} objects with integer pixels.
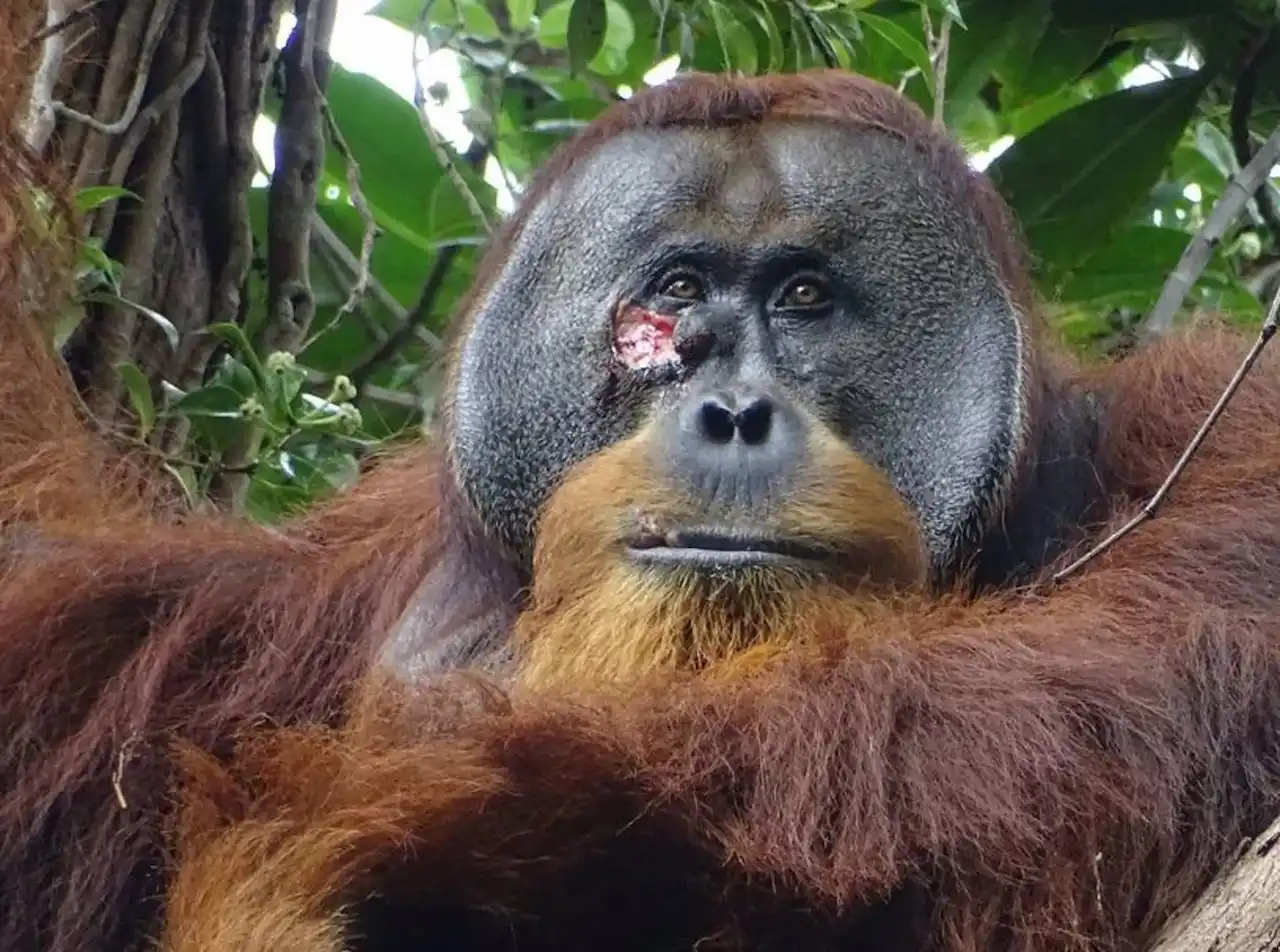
[
  {"x": 1242, "y": 187},
  {"x": 1239, "y": 912},
  {"x": 368, "y": 364},
  {"x": 160, "y": 16},
  {"x": 1268, "y": 330},
  {"x": 433, "y": 138},
  {"x": 291, "y": 200}
]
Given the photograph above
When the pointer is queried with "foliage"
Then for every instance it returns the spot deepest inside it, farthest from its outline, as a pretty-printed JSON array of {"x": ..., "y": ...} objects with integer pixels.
[{"x": 1110, "y": 177}]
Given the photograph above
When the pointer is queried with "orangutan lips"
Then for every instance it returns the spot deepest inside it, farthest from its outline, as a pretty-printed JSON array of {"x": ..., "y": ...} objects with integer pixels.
[{"x": 643, "y": 338}]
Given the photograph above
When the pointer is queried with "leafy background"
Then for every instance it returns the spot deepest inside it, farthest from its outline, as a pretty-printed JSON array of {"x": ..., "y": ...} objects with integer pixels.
[{"x": 1111, "y": 126}]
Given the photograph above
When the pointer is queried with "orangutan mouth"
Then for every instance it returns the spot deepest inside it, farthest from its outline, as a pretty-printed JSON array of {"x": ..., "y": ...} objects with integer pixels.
[{"x": 718, "y": 548}]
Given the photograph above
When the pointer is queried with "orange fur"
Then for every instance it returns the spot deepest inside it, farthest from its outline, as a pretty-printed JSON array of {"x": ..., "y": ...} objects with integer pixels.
[
  {"x": 196, "y": 752},
  {"x": 594, "y": 616}
]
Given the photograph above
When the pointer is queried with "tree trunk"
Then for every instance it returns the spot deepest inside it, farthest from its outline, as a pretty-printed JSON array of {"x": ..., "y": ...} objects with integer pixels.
[{"x": 160, "y": 97}]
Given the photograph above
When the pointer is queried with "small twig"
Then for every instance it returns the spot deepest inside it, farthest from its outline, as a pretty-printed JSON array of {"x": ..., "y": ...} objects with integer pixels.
[
  {"x": 155, "y": 30},
  {"x": 117, "y": 773},
  {"x": 421, "y": 311},
  {"x": 433, "y": 138},
  {"x": 939, "y": 53},
  {"x": 1195, "y": 257},
  {"x": 363, "y": 274},
  {"x": 1153, "y": 504},
  {"x": 54, "y": 26}
]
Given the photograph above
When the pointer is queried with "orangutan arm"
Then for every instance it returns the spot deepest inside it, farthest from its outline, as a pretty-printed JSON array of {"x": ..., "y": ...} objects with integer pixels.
[{"x": 1077, "y": 765}]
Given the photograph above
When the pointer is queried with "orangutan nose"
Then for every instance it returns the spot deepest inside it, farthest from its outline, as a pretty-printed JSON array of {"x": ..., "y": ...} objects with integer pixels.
[{"x": 735, "y": 445}]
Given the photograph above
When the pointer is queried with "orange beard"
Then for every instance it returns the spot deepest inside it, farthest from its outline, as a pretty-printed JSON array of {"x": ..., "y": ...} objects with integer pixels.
[{"x": 595, "y": 618}]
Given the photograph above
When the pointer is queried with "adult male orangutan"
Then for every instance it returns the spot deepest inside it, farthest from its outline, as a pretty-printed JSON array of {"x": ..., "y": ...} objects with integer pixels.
[{"x": 705, "y": 620}]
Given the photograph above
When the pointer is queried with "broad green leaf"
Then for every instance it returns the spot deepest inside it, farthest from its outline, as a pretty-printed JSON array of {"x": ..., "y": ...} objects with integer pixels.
[
  {"x": 95, "y": 196},
  {"x": 643, "y": 50},
  {"x": 214, "y": 409},
  {"x": 398, "y": 265},
  {"x": 218, "y": 400},
  {"x": 902, "y": 41},
  {"x": 520, "y": 13},
  {"x": 139, "y": 388},
  {"x": 772, "y": 53},
  {"x": 467, "y": 15},
  {"x": 235, "y": 336},
  {"x": 1123, "y": 13},
  {"x": 1058, "y": 58},
  {"x": 736, "y": 42},
  {"x": 1127, "y": 271},
  {"x": 1073, "y": 180},
  {"x": 553, "y": 25},
  {"x": 588, "y": 21},
  {"x": 477, "y": 21},
  {"x": 1000, "y": 32},
  {"x": 398, "y": 169}
]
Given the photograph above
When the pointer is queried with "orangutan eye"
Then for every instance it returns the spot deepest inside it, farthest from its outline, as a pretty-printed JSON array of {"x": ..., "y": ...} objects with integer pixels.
[
  {"x": 683, "y": 287},
  {"x": 805, "y": 293}
]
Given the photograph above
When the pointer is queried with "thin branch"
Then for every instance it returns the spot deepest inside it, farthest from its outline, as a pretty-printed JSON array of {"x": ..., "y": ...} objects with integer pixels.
[
  {"x": 362, "y": 273},
  {"x": 436, "y": 144},
  {"x": 1148, "y": 511},
  {"x": 1199, "y": 250},
  {"x": 939, "y": 53},
  {"x": 166, "y": 100},
  {"x": 160, "y": 15},
  {"x": 422, "y": 310}
]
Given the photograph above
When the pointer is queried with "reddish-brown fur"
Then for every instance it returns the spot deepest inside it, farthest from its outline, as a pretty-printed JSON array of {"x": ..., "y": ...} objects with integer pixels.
[{"x": 1018, "y": 771}]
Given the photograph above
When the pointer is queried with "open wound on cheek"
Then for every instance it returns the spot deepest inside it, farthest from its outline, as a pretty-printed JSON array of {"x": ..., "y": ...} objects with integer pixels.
[{"x": 643, "y": 338}]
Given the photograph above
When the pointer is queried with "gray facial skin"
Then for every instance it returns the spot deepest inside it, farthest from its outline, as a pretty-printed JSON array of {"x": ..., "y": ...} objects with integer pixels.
[{"x": 917, "y": 361}]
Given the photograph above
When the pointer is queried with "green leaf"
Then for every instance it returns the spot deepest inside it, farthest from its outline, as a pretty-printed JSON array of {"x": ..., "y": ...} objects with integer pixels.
[
  {"x": 399, "y": 173},
  {"x": 1213, "y": 144},
  {"x": 773, "y": 54},
  {"x": 1073, "y": 180},
  {"x": 736, "y": 42},
  {"x": 95, "y": 196},
  {"x": 588, "y": 21},
  {"x": 999, "y": 34},
  {"x": 1127, "y": 271},
  {"x": 1123, "y": 13},
  {"x": 950, "y": 7},
  {"x": 139, "y": 388},
  {"x": 902, "y": 41},
  {"x": 520, "y": 13},
  {"x": 166, "y": 326},
  {"x": 186, "y": 480},
  {"x": 235, "y": 336},
  {"x": 468, "y": 15},
  {"x": 214, "y": 409},
  {"x": 1058, "y": 58}
]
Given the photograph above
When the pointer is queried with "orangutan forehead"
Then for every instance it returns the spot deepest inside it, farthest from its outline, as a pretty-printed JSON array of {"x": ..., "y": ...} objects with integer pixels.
[{"x": 784, "y": 179}]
